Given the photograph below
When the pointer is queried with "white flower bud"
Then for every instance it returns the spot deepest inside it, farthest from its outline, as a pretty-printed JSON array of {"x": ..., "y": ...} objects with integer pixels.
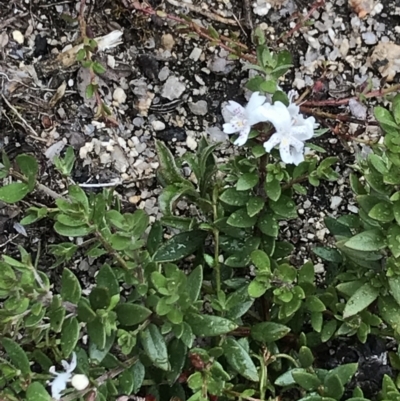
[{"x": 80, "y": 382}]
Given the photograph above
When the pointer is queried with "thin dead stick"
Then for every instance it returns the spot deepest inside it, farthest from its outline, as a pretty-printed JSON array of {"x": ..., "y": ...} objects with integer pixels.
[
  {"x": 198, "y": 29},
  {"x": 198, "y": 10},
  {"x": 101, "y": 185},
  {"x": 15, "y": 111},
  {"x": 9, "y": 21},
  {"x": 341, "y": 102},
  {"x": 247, "y": 14}
]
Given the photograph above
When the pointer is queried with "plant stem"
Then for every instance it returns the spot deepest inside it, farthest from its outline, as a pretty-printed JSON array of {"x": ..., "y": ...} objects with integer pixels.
[
  {"x": 285, "y": 356},
  {"x": 110, "y": 250},
  {"x": 217, "y": 265}
]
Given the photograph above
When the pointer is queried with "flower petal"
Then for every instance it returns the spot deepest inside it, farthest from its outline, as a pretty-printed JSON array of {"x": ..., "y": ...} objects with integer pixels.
[
  {"x": 235, "y": 108},
  {"x": 272, "y": 142},
  {"x": 256, "y": 100},
  {"x": 72, "y": 365},
  {"x": 229, "y": 128},
  {"x": 278, "y": 115},
  {"x": 297, "y": 156},
  {"x": 243, "y": 136},
  {"x": 256, "y": 116},
  {"x": 302, "y": 132},
  {"x": 59, "y": 384},
  {"x": 284, "y": 151}
]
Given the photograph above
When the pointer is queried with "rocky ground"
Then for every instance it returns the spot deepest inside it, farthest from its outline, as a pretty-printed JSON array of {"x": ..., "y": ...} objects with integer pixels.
[{"x": 162, "y": 82}]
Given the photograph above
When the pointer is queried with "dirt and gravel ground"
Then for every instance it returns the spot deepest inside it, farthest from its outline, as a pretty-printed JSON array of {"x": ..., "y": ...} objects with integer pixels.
[{"x": 162, "y": 82}]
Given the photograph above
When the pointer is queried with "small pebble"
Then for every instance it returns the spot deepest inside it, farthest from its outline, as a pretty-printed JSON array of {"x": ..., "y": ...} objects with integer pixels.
[
  {"x": 158, "y": 125},
  {"x": 119, "y": 96},
  {"x": 18, "y": 37}
]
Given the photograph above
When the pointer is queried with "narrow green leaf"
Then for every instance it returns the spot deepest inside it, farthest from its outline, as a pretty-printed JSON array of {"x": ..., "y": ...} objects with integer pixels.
[
  {"x": 241, "y": 219},
  {"x": 13, "y": 192},
  {"x": 208, "y": 325},
  {"x": 154, "y": 345},
  {"x": 17, "y": 355},
  {"x": 180, "y": 246},
  {"x": 131, "y": 314},
  {"x": 70, "y": 287},
  {"x": 361, "y": 299},
  {"x": 268, "y": 332},
  {"x": 69, "y": 336},
  {"x": 371, "y": 240},
  {"x": 194, "y": 283},
  {"x": 37, "y": 392},
  {"x": 239, "y": 359}
]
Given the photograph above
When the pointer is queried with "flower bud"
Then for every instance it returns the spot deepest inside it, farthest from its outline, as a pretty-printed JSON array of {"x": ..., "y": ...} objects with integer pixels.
[{"x": 80, "y": 382}]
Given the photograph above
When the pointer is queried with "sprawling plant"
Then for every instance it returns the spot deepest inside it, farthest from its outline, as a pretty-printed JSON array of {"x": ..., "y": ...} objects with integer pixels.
[{"x": 205, "y": 304}]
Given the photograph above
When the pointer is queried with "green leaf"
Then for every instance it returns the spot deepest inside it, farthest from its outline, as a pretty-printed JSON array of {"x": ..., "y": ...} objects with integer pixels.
[
  {"x": 168, "y": 172},
  {"x": 208, "y": 325},
  {"x": 286, "y": 379},
  {"x": 90, "y": 89},
  {"x": 360, "y": 300},
  {"x": 154, "y": 345},
  {"x": 37, "y": 392},
  {"x": 258, "y": 288},
  {"x": 180, "y": 246},
  {"x": 239, "y": 359},
  {"x": 306, "y": 357},
  {"x": 194, "y": 283},
  {"x": 29, "y": 168},
  {"x": 170, "y": 196},
  {"x": 314, "y": 304},
  {"x": 284, "y": 207},
  {"x": 99, "y": 298},
  {"x": 385, "y": 119},
  {"x": 98, "y": 354},
  {"x": 70, "y": 287},
  {"x": 138, "y": 372},
  {"x": 17, "y": 355},
  {"x": 393, "y": 237},
  {"x": 333, "y": 387},
  {"x": 396, "y": 108},
  {"x": 268, "y": 86},
  {"x": 126, "y": 382},
  {"x": 85, "y": 312},
  {"x": 255, "y": 205},
  {"x": 13, "y": 192},
  {"x": 382, "y": 212},
  {"x": 328, "y": 330},
  {"x": 98, "y": 68},
  {"x": 155, "y": 238},
  {"x": 371, "y": 240},
  {"x": 97, "y": 333},
  {"x": 247, "y": 181},
  {"x": 273, "y": 189},
  {"x": 394, "y": 284},
  {"x": 77, "y": 194},
  {"x": 268, "y": 332},
  {"x": 345, "y": 372},
  {"x": 177, "y": 352},
  {"x": 306, "y": 380},
  {"x": 241, "y": 219},
  {"x": 328, "y": 254},
  {"x": 106, "y": 278},
  {"x": 235, "y": 198},
  {"x": 68, "y": 231},
  {"x": 131, "y": 314},
  {"x": 261, "y": 260},
  {"x": 268, "y": 224},
  {"x": 69, "y": 336}
]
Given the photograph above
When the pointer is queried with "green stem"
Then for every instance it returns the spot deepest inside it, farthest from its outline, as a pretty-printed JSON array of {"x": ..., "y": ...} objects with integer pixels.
[
  {"x": 110, "y": 250},
  {"x": 217, "y": 265},
  {"x": 285, "y": 356}
]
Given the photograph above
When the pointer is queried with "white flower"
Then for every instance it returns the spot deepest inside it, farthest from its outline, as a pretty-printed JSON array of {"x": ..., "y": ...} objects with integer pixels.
[
  {"x": 79, "y": 382},
  {"x": 292, "y": 130},
  {"x": 60, "y": 381},
  {"x": 243, "y": 118}
]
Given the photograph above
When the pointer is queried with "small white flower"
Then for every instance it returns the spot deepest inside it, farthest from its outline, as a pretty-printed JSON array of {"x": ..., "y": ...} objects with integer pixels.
[
  {"x": 292, "y": 130},
  {"x": 79, "y": 382},
  {"x": 60, "y": 381},
  {"x": 243, "y": 118}
]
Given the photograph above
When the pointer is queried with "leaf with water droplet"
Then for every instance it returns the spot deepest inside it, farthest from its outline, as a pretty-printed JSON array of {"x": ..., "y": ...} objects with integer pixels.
[
  {"x": 382, "y": 212},
  {"x": 360, "y": 300}
]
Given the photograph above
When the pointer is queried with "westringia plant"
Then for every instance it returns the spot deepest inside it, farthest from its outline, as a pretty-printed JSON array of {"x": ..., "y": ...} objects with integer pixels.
[{"x": 205, "y": 304}]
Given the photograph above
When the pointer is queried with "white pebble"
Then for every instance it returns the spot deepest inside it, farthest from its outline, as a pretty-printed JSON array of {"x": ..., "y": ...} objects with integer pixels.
[
  {"x": 158, "y": 125},
  {"x": 18, "y": 37},
  {"x": 80, "y": 382},
  {"x": 119, "y": 96}
]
